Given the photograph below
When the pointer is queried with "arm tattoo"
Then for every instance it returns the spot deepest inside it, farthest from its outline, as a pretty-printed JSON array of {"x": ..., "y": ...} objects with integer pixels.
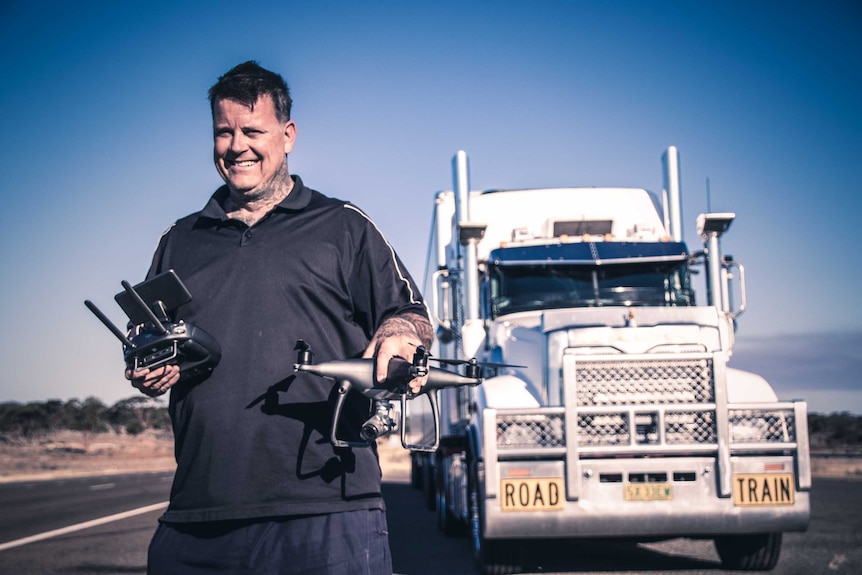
[
  {"x": 422, "y": 326},
  {"x": 408, "y": 324}
]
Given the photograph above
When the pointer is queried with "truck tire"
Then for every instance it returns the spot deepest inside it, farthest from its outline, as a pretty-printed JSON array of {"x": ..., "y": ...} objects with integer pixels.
[
  {"x": 501, "y": 557},
  {"x": 447, "y": 522},
  {"x": 429, "y": 484},
  {"x": 491, "y": 556},
  {"x": 751, "y": 552},
  {"x": 415, "y": 471}
]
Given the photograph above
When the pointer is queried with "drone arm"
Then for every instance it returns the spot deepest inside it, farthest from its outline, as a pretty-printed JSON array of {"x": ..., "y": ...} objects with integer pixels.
[{"x": 440, "y": 378}]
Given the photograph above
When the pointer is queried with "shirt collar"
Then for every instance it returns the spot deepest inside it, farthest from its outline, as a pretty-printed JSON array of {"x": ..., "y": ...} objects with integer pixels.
[{"x": 297, "y": 200}]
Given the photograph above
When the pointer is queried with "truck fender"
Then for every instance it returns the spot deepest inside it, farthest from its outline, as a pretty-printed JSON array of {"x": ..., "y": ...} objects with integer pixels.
[
  {"x": 747, "y": 387},
  {"x": 508, "y": 391}
]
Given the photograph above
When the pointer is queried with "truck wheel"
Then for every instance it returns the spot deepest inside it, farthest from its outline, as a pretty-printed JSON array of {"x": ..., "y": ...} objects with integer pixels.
[
  {"x": 446, "y": 520},
  {"x": 754, "y": 552},
  {"x": 415, "y": 471},
  {"x": 492, "y": 557},
  {"x": 501, "y": 557},
  {"x": 428, "y": 484}
]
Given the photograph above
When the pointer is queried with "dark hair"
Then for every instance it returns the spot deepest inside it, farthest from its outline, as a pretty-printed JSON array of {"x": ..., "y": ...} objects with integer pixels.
[{"x": 247, "y": 82}]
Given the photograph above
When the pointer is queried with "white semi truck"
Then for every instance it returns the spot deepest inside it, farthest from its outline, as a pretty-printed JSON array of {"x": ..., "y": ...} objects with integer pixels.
[{"x": 616, "y": 413}]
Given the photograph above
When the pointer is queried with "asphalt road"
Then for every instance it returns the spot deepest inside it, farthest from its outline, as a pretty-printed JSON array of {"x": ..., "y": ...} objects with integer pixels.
[{"x": 832, "y": 544}]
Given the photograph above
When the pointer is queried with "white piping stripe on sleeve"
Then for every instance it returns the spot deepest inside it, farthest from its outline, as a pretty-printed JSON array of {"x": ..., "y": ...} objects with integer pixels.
[
  {"x": 391, "y": 251},
  {"x": 161, "y": 237}
]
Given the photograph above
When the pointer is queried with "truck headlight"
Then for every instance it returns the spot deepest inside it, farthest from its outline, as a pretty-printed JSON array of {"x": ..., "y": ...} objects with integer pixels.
[
  {"x": 749, "y": 431},
  {"x": 528, "y": 431},
  {"x": 754, "y": 426}
]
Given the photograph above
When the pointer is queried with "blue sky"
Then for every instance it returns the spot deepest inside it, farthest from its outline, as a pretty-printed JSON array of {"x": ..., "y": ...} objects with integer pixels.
[{"x": 107, "y": 140}]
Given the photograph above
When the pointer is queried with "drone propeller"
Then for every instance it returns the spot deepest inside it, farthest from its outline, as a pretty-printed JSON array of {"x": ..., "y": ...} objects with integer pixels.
[{"x": 473, "y": 362}]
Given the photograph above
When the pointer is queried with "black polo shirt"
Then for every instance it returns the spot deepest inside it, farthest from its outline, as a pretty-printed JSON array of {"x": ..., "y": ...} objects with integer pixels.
[{"x": 252, "y": 439}]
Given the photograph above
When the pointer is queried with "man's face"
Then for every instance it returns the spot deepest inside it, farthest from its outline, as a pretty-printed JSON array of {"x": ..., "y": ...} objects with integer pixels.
[{"x": 250, "y": 146}]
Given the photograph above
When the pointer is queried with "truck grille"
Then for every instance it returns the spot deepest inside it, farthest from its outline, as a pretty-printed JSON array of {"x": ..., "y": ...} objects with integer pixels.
[
  {"x": 603, "y": 429},
  {"x": 658, "y": 383},
  {"x": 518, "y": 431},
  {"x": 644, "y": 382},
  {"x": 689, "y": 427},
  {"x": 643, "y": 405},
  {"x": 680, "y": 428}
]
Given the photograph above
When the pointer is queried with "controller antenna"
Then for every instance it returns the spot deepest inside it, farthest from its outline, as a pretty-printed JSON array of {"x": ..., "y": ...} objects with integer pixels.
[
  {"x": 157, "y": 325},
  {"x": 109, "y": 324}
]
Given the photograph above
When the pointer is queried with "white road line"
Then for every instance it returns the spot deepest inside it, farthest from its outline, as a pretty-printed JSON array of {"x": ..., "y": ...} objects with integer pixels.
[{"x": 84, "y": 525}]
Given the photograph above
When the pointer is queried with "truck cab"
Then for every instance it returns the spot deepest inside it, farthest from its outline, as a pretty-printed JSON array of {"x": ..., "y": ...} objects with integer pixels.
[{"x": 608, "y": 407}]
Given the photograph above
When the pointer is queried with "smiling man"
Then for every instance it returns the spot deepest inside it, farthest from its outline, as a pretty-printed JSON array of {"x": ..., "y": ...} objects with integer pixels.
[
  {"x": 252, "y": 140},
  {"x": 259, "y": 488}
]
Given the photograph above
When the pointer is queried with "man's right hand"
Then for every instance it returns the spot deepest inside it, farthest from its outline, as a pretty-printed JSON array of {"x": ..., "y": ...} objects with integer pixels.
[{"x": 154, "y": 382}]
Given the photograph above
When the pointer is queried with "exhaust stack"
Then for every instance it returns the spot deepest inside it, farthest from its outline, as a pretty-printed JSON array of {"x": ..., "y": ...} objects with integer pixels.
[
  {"x": 469, "y": 234},
  {"x": 673, "y": 193}
]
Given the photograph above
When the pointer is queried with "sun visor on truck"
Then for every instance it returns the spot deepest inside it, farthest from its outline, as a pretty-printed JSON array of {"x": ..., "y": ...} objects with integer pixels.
[{"x": 591, "y": 253}]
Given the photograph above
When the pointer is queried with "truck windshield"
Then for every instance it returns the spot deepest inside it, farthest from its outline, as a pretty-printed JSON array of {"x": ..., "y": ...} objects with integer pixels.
[{"x": 515, "y": 288}]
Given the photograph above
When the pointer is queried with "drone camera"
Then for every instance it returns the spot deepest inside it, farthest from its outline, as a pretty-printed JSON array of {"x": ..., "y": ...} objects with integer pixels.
[{"x": 380, "y": 423}]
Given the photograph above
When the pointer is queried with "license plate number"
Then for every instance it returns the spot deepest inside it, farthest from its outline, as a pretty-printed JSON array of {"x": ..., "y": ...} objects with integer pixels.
[
  {"x": 648, "y": 492},
  {"x": 763, "y": 489},
  {"x": 532, "y": 494}
]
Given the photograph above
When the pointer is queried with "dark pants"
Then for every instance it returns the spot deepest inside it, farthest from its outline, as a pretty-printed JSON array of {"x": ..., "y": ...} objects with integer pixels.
[{"x": 355, "y": 542}]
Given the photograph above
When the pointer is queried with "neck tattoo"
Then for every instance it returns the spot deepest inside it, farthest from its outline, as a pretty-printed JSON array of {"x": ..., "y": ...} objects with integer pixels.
[{"x": 254, "y": 210}]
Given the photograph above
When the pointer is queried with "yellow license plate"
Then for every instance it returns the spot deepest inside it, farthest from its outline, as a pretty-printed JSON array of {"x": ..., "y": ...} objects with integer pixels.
[
  {"x": 763, "y": 489},
  {"x": 532, "y": 494},
  {"x": 648, "y": 492}
]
